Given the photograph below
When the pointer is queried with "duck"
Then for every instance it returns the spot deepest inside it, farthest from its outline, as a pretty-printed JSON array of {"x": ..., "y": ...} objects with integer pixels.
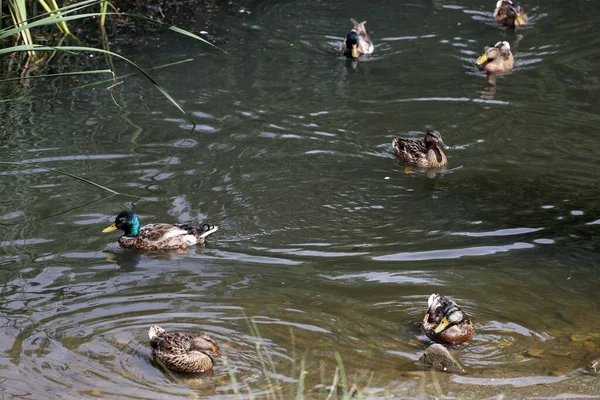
[
  {"x": 509, "y": 14},
  {"x": 422, "y": 153},
  {"x": 496, "y": 58},
  {"x": 357, "y": 42},
  {"x": 445, "y": 322},
  {"x": 183, "y": 353},
  {"x": 157, "y": 236}
]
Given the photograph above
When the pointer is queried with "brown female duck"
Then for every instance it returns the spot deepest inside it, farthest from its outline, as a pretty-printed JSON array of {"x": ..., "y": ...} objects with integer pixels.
[
  {"x": 157, "y": 236},
  {"x": 422, "y": 153},
  {"x": 445, "y": 322},
  {"x": 496, "y": 58},
  {"x": 510, "y": 14},
  {"x": 183, "y": 353}
]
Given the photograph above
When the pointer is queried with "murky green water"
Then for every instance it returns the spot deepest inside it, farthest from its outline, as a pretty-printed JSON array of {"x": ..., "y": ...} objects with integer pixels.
[{"x": 324, "y": 240}]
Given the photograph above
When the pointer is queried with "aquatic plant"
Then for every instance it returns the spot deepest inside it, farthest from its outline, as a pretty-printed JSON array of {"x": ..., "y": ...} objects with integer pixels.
[{"x": 38, "y": 55}]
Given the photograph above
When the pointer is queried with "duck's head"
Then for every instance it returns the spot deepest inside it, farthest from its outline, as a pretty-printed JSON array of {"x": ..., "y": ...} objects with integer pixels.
[
  {"x": 126, "y": 221},
  {"x": 520, "y": 17},
  {"x": 352, "y": 40},
  {"x": 491, "y": 53},
  {"x": 434, "y": 138},
  {"x": 205, "y": 342},
  {"x": 453, "y": 315}
]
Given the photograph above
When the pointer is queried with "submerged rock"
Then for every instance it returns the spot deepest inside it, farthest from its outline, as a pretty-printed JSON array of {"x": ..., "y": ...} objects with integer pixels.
[{"x": 439, "y": 358}]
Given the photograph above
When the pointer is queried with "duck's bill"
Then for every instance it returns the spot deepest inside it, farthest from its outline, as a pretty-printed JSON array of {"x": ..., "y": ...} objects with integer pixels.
[
  {"x": 355, "y": 51},
  {"x": 111, "y": 228},
  {"x": 443, "y": 325},
  {"x": 519, "y": 19},
  {"x": 216, "y": 351},
  {"x": 444, "y": 145},
  {"x": 482, "y": 60}
]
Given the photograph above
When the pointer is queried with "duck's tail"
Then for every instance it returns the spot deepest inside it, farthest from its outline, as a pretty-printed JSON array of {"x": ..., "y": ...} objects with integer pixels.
[
  {"x": 438, "y": 302},
  {"x": 208, "y": 230}
]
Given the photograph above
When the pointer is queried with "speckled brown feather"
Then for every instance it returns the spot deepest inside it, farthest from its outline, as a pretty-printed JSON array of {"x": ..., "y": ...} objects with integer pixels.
[
  {"x": 415, "y": 152},
  {"x": 179, "y": 352},
  {"x": 162, "y": 237}
]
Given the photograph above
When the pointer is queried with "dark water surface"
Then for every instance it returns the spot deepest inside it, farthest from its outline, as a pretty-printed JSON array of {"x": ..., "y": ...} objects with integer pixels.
[{"x": 324, "y": 240}]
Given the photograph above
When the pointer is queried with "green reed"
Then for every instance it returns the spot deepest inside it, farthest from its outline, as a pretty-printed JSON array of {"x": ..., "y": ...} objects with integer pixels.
[{"x": 24, "y": 26}]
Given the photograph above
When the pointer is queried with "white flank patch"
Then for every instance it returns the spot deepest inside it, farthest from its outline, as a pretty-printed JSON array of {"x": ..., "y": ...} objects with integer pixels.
[
  {"x": 175, "y": 232},
  {"x": 152, "y": 333}
]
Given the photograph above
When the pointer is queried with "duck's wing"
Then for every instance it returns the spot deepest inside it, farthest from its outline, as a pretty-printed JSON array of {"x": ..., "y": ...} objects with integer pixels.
[
  {"x": 409, "y": 149},
  {"x": 173, "y": 343},
  {"x": 165, "y": 236}
]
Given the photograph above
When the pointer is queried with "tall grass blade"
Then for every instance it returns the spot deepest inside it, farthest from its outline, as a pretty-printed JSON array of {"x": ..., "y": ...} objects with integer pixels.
[
  {"x": 340, "y": 363},
  {"x": 128, "y": 75},
  {"x": 51, "y": 8},
  {"x": 18, "y": 13},
  {"x": 96, "y": 71},
  {"x": 74, "y": 177},
  {"x": 300, "y": 391},
  {"x": 13, "y": 99},
  {"x": 173, "y": 28},
  {"x": 92, "y": 49},
  {"x": 103, "y": 9},
  {"x": 80, "y": 5},
  {"x": 334, "y": 383},
  {"x": 234, "y": 382}
]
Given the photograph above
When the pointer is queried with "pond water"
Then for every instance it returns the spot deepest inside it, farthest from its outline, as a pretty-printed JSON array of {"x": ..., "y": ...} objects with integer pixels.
[{"x": 324, "y": 242}]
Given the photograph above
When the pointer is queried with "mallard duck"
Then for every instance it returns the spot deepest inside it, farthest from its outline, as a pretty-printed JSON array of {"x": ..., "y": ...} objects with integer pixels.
[
  {"x": 423, "y": 153},
  {"x": 157, "y": 236},
  {"x": 357, "y": 42},
  {"x": 496, "y": 58},
  {"x": 509, "y": 14},
  {"x": 445, "y": 322},
  {"x": 181, "y": 352}
]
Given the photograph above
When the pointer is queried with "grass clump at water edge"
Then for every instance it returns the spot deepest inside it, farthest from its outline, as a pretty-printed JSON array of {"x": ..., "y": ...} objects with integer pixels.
[
  {"x": 25, "y": 31},
  {"x": 337, "y": 387}
]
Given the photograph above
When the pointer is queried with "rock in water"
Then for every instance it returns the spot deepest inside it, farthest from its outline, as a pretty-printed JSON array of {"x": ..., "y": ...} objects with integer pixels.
[{"x": 439, "y": 358}]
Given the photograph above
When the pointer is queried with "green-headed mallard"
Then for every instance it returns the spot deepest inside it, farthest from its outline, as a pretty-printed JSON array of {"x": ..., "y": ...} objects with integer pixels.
[
  {"x": 357, "y": 42},
  {"x": 509, "y": 14},
  {"x": 157, "y": 236},
  {"x": 445, "y": 322},
  {"x": 181, "y": 352},
  {"x": 422, "y": 153},
  {"x": 496, "y": 58}
]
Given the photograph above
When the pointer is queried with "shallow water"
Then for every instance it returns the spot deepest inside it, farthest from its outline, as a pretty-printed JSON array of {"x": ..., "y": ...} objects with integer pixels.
[{"x": 324, "y": 241}]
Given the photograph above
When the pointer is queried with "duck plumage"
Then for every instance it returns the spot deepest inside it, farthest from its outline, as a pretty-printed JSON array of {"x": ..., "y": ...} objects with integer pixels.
[
  {"x": 158, "y": 236},
  {"x": 423, "y": 153},
  {"x": 496, "y": 58},
  {"x": 181, "y": 352},
  {"x": 510, "y": 14},
  {"x": 358, "y": 41},
  {"x": 445, "y": 322}
]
